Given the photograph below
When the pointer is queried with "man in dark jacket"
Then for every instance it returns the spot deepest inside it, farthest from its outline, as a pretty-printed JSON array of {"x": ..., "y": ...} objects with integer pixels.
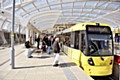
[
  {"x": 56, "y": 51},
  {"x": 53, "y": 39},
  {"x": 48, "y": 44},
  {"x": 44, "y": 43},
  {"x": 38, "y": 41}
]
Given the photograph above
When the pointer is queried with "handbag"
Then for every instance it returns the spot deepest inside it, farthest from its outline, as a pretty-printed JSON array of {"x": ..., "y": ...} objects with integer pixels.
[{"x": 43, "y": 48}]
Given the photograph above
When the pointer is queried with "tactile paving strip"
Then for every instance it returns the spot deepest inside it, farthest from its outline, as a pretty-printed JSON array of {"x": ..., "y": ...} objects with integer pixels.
[{"x": 67, "y": 71}]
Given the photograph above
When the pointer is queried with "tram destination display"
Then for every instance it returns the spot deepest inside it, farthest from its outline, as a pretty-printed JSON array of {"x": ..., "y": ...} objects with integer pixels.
[{"x": 97, "y": 29}]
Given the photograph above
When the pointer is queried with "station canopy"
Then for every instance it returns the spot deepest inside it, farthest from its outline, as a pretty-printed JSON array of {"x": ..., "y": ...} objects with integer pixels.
[{"x": 44, "y": 14}]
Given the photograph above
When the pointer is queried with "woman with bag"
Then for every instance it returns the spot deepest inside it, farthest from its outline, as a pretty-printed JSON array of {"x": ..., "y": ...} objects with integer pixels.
[
  {"x": 56, "y": 51},
  {"x": 44, "y": 44}
]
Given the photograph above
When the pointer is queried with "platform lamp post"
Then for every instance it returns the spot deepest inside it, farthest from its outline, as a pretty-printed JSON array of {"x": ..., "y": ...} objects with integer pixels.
[{"x": 12, "y": 36}]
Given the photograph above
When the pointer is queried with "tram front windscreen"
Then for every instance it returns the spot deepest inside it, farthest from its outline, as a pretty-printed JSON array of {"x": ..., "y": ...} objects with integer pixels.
[{"x": 99, "y": 41}]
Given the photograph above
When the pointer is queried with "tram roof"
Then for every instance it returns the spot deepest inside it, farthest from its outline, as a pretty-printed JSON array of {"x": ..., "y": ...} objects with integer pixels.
[
  {"x": 41, "y": 15},
  {"x": 64, "y": 31},
  {"x": 81, "y": 26}
]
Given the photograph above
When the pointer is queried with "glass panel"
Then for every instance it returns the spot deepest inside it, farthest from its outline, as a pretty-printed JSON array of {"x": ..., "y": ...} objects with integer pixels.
[
  {"x": 55, "y": 6},
  {"x": 65, "y": 16},
  {"x": 100, "y": 45},
  {"x": 91, "y": 3},
  {"x": 92, "y": 15},
  {"x": 5, "y": 25},
  {"x": 6, "y": 1},
  {"x": 104, "y": 11},
  {"x": 44, "y": 9},
  {"x": 40, "y": 2},
  {"x": 96, "y": 10},
  {"x": 73, "y": 17},
  {"x": 67, "y": 13},
  {"x": 87, "y": 19},
  {"x": 113, "y": 5},
  {"x": 104, "y": 5},
  {"x": 81, "y": 20},
  {"x": 26, "y": 15},
  {"x": 28, "y": 7},
  {"x": 20, "y": 11},
  {"x": 83, "y": 14},
  {"x": 101, "y": 3},
  {"x": 67, "y": 5},
  {"x": 76, "y": 13},
  {"x": 98, "y": 15},
  {"x": 77, "y": 10},
  {"x": 17, "y": 1},
  {"x": 67, "y": 10},
  {"x": 8, "y": 4},
  {"x": 34, "y": 12},
  {"x": 52, "y": 1},
  {"x": 79, "y": 4},
  {"x": 87, "y": 10}
]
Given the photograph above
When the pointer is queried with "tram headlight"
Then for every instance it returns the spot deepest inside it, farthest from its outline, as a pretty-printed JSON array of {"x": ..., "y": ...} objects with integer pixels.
[
  {"x": 90, "y": 61},
  {"x": 111, "y": 61}
]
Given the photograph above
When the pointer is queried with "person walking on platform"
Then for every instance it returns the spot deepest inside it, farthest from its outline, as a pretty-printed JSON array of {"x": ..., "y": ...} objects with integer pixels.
[
  {"x": 56, "y": 51},
  {"x": 49, "y": 44},
  {"x": 38, "y": 41},
  {"x": 28, "y": 45},
  {"x": 53, "y": 39},
  {"x": 44, "y": 43}
]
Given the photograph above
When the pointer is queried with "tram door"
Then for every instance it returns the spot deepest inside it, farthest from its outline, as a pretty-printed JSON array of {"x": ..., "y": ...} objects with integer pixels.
[
  {"x": 82, "y": 42},
  {"x": 72, "y": 41},
  {"x": 76, "y": 44}
]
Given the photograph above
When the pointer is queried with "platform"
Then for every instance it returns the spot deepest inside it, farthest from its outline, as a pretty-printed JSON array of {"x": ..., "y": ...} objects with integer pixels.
[{"x": 39, "y": 67}]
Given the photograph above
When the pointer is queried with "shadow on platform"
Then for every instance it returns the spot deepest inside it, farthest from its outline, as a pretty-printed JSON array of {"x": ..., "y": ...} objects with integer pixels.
[
  {"x": 24, "y": 67},
  {"x": 61, "y": 65},
  {"x": 41, "y": 57},
  {"x": 67, "y": 64}
]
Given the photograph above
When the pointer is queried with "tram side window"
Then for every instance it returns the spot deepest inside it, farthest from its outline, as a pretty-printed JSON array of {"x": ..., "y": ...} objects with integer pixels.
[
  {"x": 67, "y": 39},
  {"x": 64, "y": 39},
  {"x": 72, "y": 41},
  {"x": 76, "y": 40},
  {"x": 83, "y": 46}
]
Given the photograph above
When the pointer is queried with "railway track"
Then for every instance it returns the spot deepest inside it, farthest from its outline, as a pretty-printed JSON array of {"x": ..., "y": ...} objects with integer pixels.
[{"x": 103, "y": 78}]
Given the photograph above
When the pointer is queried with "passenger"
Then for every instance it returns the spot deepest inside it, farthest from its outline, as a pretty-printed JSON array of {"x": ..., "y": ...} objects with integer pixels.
[
  {"x": 68, "y": 43},
  {"x": 38, "y": 41},
  {"x": 49, "y": 44},
  {"x": 44, "y": 43},
  {"x": 53, "y": 40},
  {"x": 28, "y": 45},
  {"x": 56, "y": 51},
  {"x": 31, "y": 40},
  {"x": 46, "y": 39}
]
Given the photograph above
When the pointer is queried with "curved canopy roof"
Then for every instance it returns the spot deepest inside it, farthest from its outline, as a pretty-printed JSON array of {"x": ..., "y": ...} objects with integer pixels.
[{"x": 44, "y": 14}]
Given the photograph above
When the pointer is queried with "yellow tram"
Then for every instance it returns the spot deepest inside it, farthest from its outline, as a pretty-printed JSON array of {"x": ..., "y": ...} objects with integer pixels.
[
  {"x": 90, "y": 46},
  {"x": 117, "y": 35}
]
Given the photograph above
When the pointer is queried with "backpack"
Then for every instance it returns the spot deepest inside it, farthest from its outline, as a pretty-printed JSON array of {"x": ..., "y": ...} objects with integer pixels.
[{"x": 27, "y": 44}]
